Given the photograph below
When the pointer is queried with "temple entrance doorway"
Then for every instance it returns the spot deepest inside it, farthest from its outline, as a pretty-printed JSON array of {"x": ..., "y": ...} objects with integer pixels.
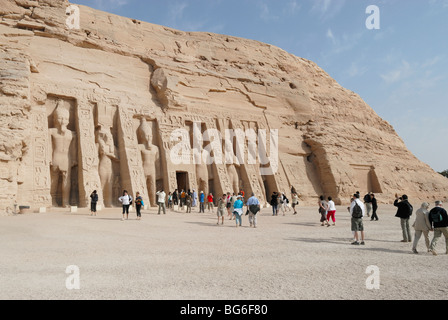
[{"x": 182, "y": 181}]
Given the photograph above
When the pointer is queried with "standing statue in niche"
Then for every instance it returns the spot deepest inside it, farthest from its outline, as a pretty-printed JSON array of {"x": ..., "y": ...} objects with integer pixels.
[
  {"x": 233, "y": 177},
  {"x": 107, "y": 154},
  {"x": 202, "y": 177},
  {"x": 233, "y": 174},
  {"x": 64, "y": 153},
  {"x": 151, "y": 158}
]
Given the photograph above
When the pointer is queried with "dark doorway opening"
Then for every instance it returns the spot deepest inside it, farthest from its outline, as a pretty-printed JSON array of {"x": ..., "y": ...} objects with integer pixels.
[{"x": 182, "y": 181}]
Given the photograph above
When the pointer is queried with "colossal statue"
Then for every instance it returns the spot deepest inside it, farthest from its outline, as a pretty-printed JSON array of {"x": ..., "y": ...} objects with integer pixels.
[
  {"x": 64, "y": 155},
  {"x": 151, "y": 158}
]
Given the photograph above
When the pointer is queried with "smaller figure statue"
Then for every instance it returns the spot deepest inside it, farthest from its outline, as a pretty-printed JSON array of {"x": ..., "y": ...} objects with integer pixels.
[{"x": 107, "y": 154}]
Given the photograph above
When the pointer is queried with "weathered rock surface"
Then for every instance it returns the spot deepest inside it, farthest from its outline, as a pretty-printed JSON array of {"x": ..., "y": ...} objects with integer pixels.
[{"x": 126, "y": 85}]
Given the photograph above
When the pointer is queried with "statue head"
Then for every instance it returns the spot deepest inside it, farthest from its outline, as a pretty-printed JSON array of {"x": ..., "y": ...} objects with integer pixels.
[
  {"x": 104, "y": 135},
  {"x": 144, "y": 132},
  {"x": 61, "y": 116}
]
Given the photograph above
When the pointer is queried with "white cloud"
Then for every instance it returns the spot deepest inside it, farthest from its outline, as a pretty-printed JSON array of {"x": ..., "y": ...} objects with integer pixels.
[
  {"x": 331, "y": 36},
  {"x": 433, "y": 61},
  {"x": 292, "y": 7},
  {"x": 176, "y": 11},
  {"x": 265, "y": 12},
  {"x": 402, "y": 72},
  {"x": 442, "y": 3},
  {"x": 110, "y": 4},
  {"x": 356, "y": 70},
  {"x": 327, "y": 9}
]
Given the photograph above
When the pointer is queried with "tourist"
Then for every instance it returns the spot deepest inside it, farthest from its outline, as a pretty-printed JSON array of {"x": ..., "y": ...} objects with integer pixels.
[
  {"x": 323, "y": 208},
  {"x": 374, "y": 207},
  {"x": 170, "y": 201},
  {"x": 368, "y": 203},
  {"x": 188, "y": 202},
  {"x": 126, "y": 201},
  {"x": 279, "y": 203},
  {"x": 161, "y": 195},
  {"x": 348, "y": 209},
  {"x": 439, "y": 221},
  {"x": 404, "y": 212},
  {"x": 221, "y": 208},
  {"x": 194, "y": 203},
  {"x": 274, "y": 203},
  {"x": 238, "y": 211},
  {"x": 175, "y": 198},
  {"x": 421, "y": 225},
  {"x": 293, "y": 191},
  {"x": 295, "y": 202},
  {"x": 210, "y": 204},
  {"x": 93, "y": 202},
  {"x": 285, "y": 203},
  {"x": 253, "y": 207},
  {"x": 331, "y": 211},
  {"x": 183, "y": 195},
  {"x": 138, "y": 205},
  {"x": 229, "y": 206},
  {"x": 202, "y": 202},
  {"x": 357, "y": 212},
  {"x": 233, "y": 198},
  {"x": 242, "y": 194}
]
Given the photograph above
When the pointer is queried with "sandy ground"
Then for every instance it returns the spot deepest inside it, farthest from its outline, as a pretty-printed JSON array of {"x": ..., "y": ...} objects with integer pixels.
[{"x": 188, "y": 257}]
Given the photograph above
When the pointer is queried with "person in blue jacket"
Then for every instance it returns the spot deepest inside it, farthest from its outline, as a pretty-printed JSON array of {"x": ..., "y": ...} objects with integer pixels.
[
  {"x": 202, "y": 202},
  {"x": 238, "y": 211}
]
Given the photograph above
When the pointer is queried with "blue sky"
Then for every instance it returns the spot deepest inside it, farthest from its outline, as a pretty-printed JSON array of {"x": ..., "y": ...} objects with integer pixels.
[{"x": 400, "y": 70}]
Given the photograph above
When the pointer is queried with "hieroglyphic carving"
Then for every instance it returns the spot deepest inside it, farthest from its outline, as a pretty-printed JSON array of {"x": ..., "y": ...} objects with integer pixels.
[
  {"x": 172, "y": 180},
  {"x": 40, "y": 158},
  {"x": 133, "y": 175},
  {"x": 88, "y": 170},
  {"x": 224, "y": 178},
  {"x": 33, "y": 174}
]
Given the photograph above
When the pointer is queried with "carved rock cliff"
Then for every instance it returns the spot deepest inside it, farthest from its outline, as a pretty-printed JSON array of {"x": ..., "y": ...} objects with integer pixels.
[{"x": 126, "y": 85}]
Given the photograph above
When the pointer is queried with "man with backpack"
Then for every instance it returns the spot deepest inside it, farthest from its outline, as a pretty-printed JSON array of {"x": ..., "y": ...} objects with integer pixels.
[
  {"x": 357, "y": 212},
  {"x": 404, "y": 212},
  {"x": 439, "y": 221}
]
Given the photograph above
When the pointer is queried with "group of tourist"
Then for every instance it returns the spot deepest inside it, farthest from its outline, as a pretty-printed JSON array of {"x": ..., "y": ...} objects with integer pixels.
[
  {"x": 280, "y": 202},
  {"x": 327, "y": 208},
  {"x": 426, "y": 221}
]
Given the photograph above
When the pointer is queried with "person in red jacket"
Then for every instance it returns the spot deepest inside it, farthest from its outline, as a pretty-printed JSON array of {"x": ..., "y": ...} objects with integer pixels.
[{"x": 210, "y": 205}]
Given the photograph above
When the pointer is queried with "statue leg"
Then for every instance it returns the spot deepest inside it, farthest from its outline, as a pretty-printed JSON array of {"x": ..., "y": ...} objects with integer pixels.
[
  {"x": 54, "y": 172},
  {"x": 66, "y": 184},
  {"x": 151, "y": 184}
]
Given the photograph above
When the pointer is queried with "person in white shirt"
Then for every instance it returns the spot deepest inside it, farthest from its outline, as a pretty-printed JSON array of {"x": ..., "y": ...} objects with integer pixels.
[
  {"x": 357, "y": 211},
  {"x": 125, "y": 200},
  {"x": 161, "y": 195},
  {"x": 331, "y": 211}
]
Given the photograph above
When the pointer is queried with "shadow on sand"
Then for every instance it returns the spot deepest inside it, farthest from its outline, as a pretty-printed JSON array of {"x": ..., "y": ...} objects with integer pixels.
[{"x": 347, "y": 242}]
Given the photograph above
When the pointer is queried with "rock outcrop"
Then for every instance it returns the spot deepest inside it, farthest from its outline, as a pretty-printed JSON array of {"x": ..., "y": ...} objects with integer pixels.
[{"x": 95, "y": 107}]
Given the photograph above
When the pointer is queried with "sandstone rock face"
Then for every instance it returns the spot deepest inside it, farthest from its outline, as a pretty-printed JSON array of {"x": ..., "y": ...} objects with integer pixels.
[{"x": 95, "y": 108}]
